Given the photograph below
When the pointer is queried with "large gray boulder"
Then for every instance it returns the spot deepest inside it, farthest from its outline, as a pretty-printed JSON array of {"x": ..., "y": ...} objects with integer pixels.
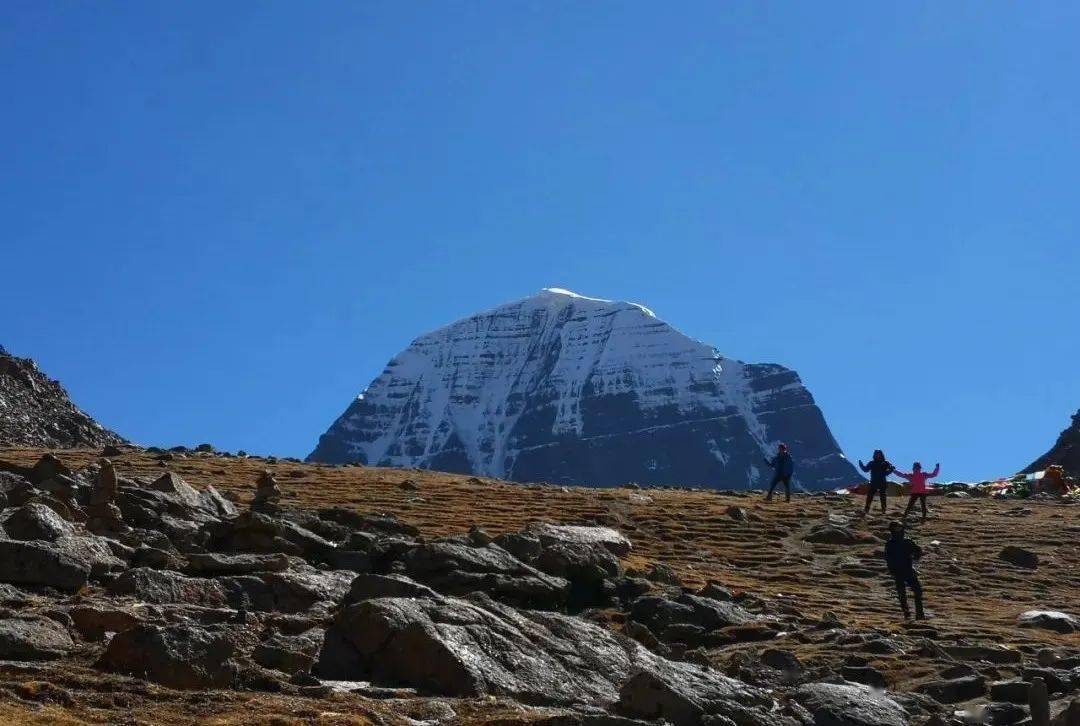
[
  {"x": 684, "y": 694},
  {"x": 173, "y": 484},
  {"x": 293, "y": 591},
  {"x": 475, "y": 647},
  {"x": 178, "y": 656},
  {"x": 689, "y": 617},
  {"x": 34, "y": 521},
  {"x": 47, "y": 467},
  {"x": 259, "y": 532},
  {"x": 289, "y": 653},
  {"x": 98, "y": 553},
  {"x": 166, "y": 587},
  {"x": 849, "y": 704},
  {"x": 33, "y": 639},
  {"x": 454, "y": 568},
  {"x": 368, "y": 586},
  {"x": 218, "y": 563},
  {"x": 213, "y": 501},
  {"x": 1049, "y": 620},
  {"x": 41, "y": 564},
  {"x": 612, "y": 539}
]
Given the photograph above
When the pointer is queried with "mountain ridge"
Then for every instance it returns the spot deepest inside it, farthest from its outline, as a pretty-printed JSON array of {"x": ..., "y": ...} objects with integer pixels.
[
  {"x": 1065, "y": 452},
  {"x": 36, "y": 410}
]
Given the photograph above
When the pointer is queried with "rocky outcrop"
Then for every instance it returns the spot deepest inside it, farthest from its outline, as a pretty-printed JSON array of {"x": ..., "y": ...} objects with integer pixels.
[
  {"x": 477, "y": 647},
  {"x": 36, "y": 411},
  {"x": 563, "y": 388},
  {"x": 1065, "y": 452}
]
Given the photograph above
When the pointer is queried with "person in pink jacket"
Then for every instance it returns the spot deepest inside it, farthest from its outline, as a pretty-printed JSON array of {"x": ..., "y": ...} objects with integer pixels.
[{"x": 918, "y": 479}]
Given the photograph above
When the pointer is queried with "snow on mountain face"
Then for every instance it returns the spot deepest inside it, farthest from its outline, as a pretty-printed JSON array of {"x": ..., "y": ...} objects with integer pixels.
[{"x": 564, "y": 388}]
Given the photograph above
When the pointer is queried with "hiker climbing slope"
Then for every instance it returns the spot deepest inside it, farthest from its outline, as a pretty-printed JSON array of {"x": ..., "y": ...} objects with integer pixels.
[
  {"x": 879, "y": 469},
  {"x": 918, "y": 479},
  {"x": 783, "y": 467},
  {"x": 901, "y": 554}
]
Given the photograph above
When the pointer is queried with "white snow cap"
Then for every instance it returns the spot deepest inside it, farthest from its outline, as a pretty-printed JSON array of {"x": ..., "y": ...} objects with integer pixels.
[{"x": 571, "y": 294}]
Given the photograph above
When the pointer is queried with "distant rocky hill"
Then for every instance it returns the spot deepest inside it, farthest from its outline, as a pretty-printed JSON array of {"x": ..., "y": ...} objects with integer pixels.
[
  {"x": 1065, "y": 453},
  {"x": 563, "y": 388},
  {"x": 36, "y": 411}
]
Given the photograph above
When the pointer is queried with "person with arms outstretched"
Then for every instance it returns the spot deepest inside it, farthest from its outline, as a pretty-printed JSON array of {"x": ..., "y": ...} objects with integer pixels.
[
  {"x": 901, "y": 554},
  {"x": 918, "y": 479},
  {"x": 879, "y": 469},
  {"x": 783, "y": 467}
]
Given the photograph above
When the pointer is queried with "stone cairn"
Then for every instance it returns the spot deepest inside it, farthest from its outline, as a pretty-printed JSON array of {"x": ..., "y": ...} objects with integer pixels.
[
  {"x": 102, "y": 512},
  {"x": 267, "y": 493}
]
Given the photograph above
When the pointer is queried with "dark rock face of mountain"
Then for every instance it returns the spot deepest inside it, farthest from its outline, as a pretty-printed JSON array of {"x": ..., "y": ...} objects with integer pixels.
[
  {"x": 563, "y": 388},
  {"x": 1065, "y": 453},
  {"x": 35, "y": 411}
]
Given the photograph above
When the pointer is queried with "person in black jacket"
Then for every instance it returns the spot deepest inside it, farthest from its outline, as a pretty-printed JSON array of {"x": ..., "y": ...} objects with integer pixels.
[
  {"x": 879, "y": 469},
  {"x": 901, "y": 554},
  {"x": 783, "y": 467}
]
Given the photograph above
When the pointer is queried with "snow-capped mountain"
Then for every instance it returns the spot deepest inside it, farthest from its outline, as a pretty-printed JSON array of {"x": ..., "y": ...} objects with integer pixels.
[{"x": 564, "y": 388}]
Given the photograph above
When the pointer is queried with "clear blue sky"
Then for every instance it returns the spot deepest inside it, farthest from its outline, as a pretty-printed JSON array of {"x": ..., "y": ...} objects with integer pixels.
[{"x": 220, "y": 220}]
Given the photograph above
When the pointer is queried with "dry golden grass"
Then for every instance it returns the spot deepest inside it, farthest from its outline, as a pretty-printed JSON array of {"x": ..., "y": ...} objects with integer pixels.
[{"x": 968, "y": 590}]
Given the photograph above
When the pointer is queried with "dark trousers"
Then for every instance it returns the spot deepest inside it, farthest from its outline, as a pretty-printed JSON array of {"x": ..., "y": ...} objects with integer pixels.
[
  {"x": 876, "y": 489},
  {"x": 911, "y": 504},
  {"x": 903, "y": 581},
  {"x": 787, "y": 486}
]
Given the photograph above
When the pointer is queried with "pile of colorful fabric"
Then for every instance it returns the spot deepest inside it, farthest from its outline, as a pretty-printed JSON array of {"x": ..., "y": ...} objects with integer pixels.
[
  {"x": 1052, "y": 483},
  {"x": 1018, "y": 488}
]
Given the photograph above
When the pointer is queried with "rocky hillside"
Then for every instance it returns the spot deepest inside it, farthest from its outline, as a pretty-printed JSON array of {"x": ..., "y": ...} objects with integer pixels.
[
  {"x": 1065, "y": 453},
  {"x": 171, "y": 588},
  {"x": 36, "y": 411},
  {"x": 562, "y": 388}
]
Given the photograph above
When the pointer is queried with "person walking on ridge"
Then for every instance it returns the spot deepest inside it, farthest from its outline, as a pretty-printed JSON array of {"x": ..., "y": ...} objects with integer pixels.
[
  {"x": 783, "y": 467},
  {"x": 879, "y": 469},
  {"x": 918, "y": 479},
  {"x": 901, "y": 554}
]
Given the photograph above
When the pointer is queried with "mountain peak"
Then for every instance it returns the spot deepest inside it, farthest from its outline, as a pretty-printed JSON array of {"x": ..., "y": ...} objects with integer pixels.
[{"x": 566, "y": 388}]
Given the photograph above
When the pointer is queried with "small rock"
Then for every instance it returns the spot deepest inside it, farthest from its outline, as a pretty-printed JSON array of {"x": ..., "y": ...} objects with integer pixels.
[
  {"x": 836, "y": 535},
  {"x": 715, "y": 591},
  {"x": 1019, "y": 557},
  {"x": 955, "y": 690},
  {"x": 1010, "y": 691},
  {"x": 737, "y": 513},
  {"x": 867, "y": 675}
]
